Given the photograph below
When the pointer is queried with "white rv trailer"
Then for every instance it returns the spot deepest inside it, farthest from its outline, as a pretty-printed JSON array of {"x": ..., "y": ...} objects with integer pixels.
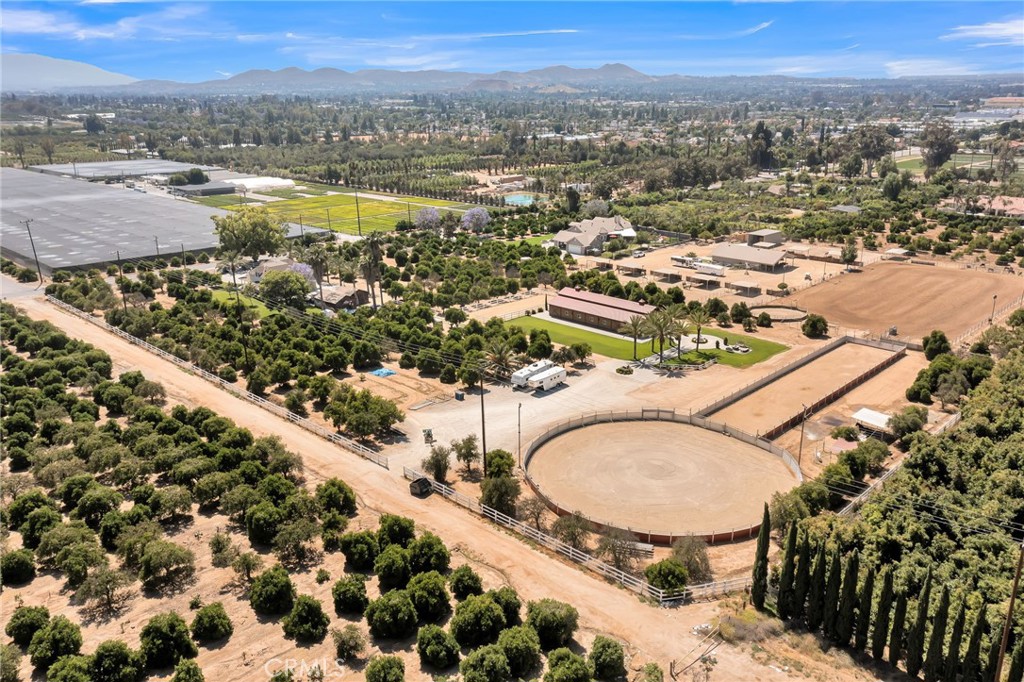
[
  {"x": 711, "y": 269},
  {"x": 521, "y": 376},
  {"x": 547, "y": 379}
]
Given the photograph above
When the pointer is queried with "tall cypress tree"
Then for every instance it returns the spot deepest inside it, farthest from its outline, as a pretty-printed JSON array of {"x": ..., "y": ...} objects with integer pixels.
[
  {"x": 899, "y": 621},
  {"x": 759, "y": 590},
  {"x": 1017, "y": 663},
  {"x": 848, "y": 600},
  {"x": 867, "y": 594},
  {"x": 882, "y": 613},
  {"x": 832, "y": 589},
  {"x": 916, "y": 634},
  {"x": 993, "y": 655},
  {"x": 816, "y": 591},
  {"x": 956, "y": 638},
  {"x": 803, "y": 579},
  {"x": 785, "y": 605},
  {"x": 933, "y": 667},
  {"x": 971, "y": 669}
]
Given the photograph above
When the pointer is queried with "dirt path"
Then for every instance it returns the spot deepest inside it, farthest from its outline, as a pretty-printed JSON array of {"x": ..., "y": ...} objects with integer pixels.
[{"x": 656, "y": 634}]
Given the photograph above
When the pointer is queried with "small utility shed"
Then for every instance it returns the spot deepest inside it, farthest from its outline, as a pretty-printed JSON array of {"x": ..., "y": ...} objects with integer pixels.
[
  {"x": 765, "y": 236},
  {"x": 668, "y": 274},
  {"x": 744, "y": 286},
  {"x": 872, "y": 421},
  {"x": 707, "y": 281}
]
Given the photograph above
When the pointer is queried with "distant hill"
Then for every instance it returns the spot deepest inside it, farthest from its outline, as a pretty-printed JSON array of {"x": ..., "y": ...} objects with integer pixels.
[{"x": 34, "y": 72}]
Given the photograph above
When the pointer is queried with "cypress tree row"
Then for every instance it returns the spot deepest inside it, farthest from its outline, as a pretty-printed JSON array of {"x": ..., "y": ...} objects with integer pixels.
[
  {"x": 933, "y": 667},
  {"x": 971, "y": 669},
  {"x": 915, "y": 636},
  {"x": 832, "y": 588},
  {"x": 993, "y": 655},
  {"x": 867, "y": 593},
  {"x": 848, "y": 600},
  {"x": 956, "y": 637},
  {"x": 802, "y": 580},
  {"x": 759, "y": 590},
  {"x": 1017, "y": 663},
  {"x": 816, "y": 592},
  {"x": 785, "y": 605},
  {"x": 881, "y": 631},
  {"x": 899, "y": 618}
]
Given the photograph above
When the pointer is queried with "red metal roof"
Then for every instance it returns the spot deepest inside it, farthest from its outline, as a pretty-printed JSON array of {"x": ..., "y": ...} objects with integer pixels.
[{"x": 631, "y": 307}]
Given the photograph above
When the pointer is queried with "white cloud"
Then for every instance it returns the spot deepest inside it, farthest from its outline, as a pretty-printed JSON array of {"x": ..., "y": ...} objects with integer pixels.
[
  {"x": 1008, "y": 32},
  {"x": 173, "y": 22},
  {"x": 727, "y": 36},
  {"x": 226, "y": 74},
  {"x": 30, "y": 21},
  {"x": 455, "y": 37},
  {"x": 928, "y": 67}
]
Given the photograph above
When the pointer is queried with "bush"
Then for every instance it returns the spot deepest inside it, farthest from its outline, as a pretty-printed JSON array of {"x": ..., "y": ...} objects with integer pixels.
[
  {"x": 436, "y": 647},
  {"x": 392, "y": 568},
  {"x": 165, "y": 563},
  {"x": 307, "y": 621},
  {"x": 815, "y": 326},
  {"x": 465, "y": 582},
  {"x": 350, "y": 595},
  {"x": 429, "y": 596},
  {"x": 521, "y": 647},
  {"x": 667, "y": 574},
  {"x": 607, "y": 659},
  {"x": 17, "y": 567},
  {"x": 360, "y": 549},
  {"x": 211, "y": 623},
  {"x": 764, "y": 320},
  {"x": 272, "y": 592},
  {"x": 348, "y": 642},
  {"x": 508, "y": 599},
  {"x": 25, "y": 622},
  {"x": 487, "y": 664},
  {"x": 477, "y": 620},
  {"x": 188, "y": 671},
  {"x": 692, "y": 552},
  {"x": 846, "y": 432},
  {"x": 500, "y": 494},
  {"x": 59, "y": 637},
  {"x": 428, "y": 553},
  {"x": 392, "y": 616},
  {"x": 395, "y": 530},
  {"x": 10, "y": 663},
  {"x": 385, "y": 669},
  {"x": 565, "y": 666},
  {"x": 335, "y": 495},
  {"x": 114, "y": 661},
  {"x": 554, "y": 621},
  {"x": 165, "y": 640}
]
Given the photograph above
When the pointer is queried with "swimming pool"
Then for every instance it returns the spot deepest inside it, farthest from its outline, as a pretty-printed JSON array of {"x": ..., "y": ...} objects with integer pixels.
[{"x": 519, "y": 199}]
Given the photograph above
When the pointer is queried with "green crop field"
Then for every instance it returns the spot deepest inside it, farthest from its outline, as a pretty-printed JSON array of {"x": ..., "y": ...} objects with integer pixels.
[
  {"x": 224, "y": 201},
  {"x": 608, "y": 346}
]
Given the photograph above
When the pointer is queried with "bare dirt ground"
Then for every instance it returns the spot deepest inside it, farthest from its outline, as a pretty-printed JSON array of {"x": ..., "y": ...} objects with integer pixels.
[
  {"x": 659, "y": 476},
  {"x": 656, "y": 634},
  {"x": 781, "y": 399},
  {"x": 915, "y": 298}
]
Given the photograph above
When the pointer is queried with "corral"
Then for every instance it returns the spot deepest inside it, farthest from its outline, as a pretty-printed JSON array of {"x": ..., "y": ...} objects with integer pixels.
[
  {"x": 657, "y": 475},
  {"x": 913, "y": 298}
]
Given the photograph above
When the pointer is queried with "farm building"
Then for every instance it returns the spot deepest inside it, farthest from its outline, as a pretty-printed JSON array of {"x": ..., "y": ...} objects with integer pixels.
[
  {"x": 747, "y": 257},
  {"x": 114, "y": 170},
  {"x": 595, "y": 310},
  {"x": 341, "y": 298},
  {"x": 589, "y": 236},
  {"x": 773, "y": 237},
  {"x": 207, "y": 189}
]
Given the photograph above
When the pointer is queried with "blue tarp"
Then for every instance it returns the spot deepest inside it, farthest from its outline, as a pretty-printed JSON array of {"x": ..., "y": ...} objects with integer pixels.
[{"x": 382, "y": 372}]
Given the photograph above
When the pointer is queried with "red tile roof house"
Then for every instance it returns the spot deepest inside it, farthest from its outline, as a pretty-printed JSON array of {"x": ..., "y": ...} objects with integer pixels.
[{"x": 595, "y": 310}]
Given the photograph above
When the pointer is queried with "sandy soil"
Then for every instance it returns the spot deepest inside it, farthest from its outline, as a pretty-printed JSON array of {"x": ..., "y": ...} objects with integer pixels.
[
  {"x": 781, "y": 399},
  {"x": 915, "y": 298},
  {"x": 659, "y": 476}
]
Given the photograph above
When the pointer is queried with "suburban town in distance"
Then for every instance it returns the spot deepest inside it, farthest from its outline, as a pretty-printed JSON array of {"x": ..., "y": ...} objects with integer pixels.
[{"x": 494, "y": 342}]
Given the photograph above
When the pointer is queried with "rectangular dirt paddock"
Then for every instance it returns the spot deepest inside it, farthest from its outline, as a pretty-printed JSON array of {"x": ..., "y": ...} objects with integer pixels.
[{"x": 771, "y": 408}]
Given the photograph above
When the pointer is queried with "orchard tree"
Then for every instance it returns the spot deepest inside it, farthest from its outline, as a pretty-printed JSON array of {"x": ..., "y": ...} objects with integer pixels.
[
  {"x": 436, "y": 647},
  {"x": 392, "y": 616},
  {"x": 250, "y": 231},
  {"x": 555, "y": 622},
  {"x": 307, "y": 622},
  {"x": 385, "y": 669},
  {"x": 272, "y": 593},
  {"x": 114, "y": 661},
  {"x": 25, "y": 622},
  {"x": 465, "y": 582},
  {"x": 350, "y": 595},
  {"x": 211, "y": 623},
  {"x": 165, "y": 640},
  {"x": 59, "y": 637},
  {"x": 285, "y": 287}
]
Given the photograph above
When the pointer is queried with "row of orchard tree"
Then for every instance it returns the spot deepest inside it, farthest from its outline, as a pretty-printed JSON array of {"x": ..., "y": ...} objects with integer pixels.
[{"x": 828, "y": 594}]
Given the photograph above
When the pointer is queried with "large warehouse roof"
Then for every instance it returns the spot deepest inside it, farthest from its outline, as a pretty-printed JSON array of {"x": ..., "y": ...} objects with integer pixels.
[
  {"x": 118, "y": 169},
  {"x": 82, "y": 224},
  {"x": 741, "y": 253}
]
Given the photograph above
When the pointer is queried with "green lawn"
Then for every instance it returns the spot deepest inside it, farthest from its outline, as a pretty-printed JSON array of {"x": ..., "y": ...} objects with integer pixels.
[
  {"x": 538, "y": 240},
  {"x": 760, "y": 350},
  {"x": 261, "y": 310},
  {"x": 621, "y": 349}
]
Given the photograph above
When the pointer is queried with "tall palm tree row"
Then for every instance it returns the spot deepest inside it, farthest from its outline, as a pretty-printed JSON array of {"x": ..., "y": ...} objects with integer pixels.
[
  {"x": 699, "y": 318},
  {"x": 635, "y": 328}
]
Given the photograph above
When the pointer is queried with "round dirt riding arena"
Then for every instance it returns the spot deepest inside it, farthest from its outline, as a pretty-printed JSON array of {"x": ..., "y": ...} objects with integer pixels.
[
  {"x": 780, "y": 313},
  {"x": 665, "y": 477}
]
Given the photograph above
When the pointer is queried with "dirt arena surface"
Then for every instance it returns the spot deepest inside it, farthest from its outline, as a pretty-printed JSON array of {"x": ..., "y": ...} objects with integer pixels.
[
  {"x": 781, "y": 399},
  {"x": 780, "y": 314},
  {"x": 915, "y": 298},
  {"x": 659, "y": 476}
]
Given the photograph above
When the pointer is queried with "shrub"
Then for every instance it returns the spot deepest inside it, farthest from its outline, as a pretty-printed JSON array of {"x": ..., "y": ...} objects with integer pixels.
[
  {"x": 211, "y": 623},
  {"x": 392, "y": 616},
  {"x": 465, "y": 582},
  {"x": 335, "y": 495},
  {"x": 508, "y": 599},
  {"x": 307, "y": 621},
  {"x": 272, "y": 592},
  {"x": 165, "y": 640},
  {"x": 350, "y": 595},
  {"x": 667, "y": 574},
  {"x": 554, "y": 621},
  {"x": 348, "y": 642},
  {"x": 188, "y": 671},
  {"x": 25, "y": 622},
  {"x": 815, "y": 326},
  {"x": 607, "y": 659},
  {"x": 486, "y": 664},
  {"x": 114, "y": 661},
  {"x": 392, "y": 568},
  {"x": 59, "y": 637},
  {"x": 360, "y": 549},
  {"x": 10, "y": 663},
  {"x": 165, "y": 563},
  {"x": 428, "y": 553},
  {"x": 385, "y": 669},
  {"x": 429, "y": 596},
  {"x": 436, "y": 647},
  {"x": 395, "y": 530},
  {"x": 521, "y": 647},
  {"x": 17, "y": 567},
  {"x": 846, "y": 432},
  {"x": 565, "y": 666},
  {"x": 692, "y": 552},
  {"x": 477, "y": 620}
]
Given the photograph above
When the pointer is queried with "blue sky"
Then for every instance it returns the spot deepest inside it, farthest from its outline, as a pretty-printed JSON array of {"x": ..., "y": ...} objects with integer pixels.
[{"x": 194, "y": 41}]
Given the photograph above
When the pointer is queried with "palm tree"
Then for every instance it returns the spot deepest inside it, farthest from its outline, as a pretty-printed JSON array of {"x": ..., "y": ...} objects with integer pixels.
[
  {"x": 317, "y": 257},
  {"x": 659, "y": 326},
  {"x": 680, "y": 322},
  {"x": 373, "y": 250},
  {"x": 499, "y": 354},
  {"x": 698, "y": 318},
  {"x": 634, "y": 328}
]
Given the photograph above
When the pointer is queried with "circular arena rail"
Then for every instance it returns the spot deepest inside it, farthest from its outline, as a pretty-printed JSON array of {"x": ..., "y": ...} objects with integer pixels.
[
  {"x": 650, "y": 535},
  {"x": 798, "y": 314}
]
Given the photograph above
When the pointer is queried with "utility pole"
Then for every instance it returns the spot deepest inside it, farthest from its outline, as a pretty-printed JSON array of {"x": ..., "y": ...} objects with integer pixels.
[
  {"x": 329, "y": 218},
  {"x": 156, "y": 241},
  {"x": 520, "y": 435},
  {"x": 241, "y": 323},
  {"x": 120, "y": 271},
  {"x": 800, "y": 452},
  {"x": 39, "y": 271},
  {"x": 359, "y": 220},
  {"x": 1009, "y": 616},
  {"x": 483, "y": 424},
  {"x": 184, "y": 270},
  {"x": 992, "y": 317}
]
